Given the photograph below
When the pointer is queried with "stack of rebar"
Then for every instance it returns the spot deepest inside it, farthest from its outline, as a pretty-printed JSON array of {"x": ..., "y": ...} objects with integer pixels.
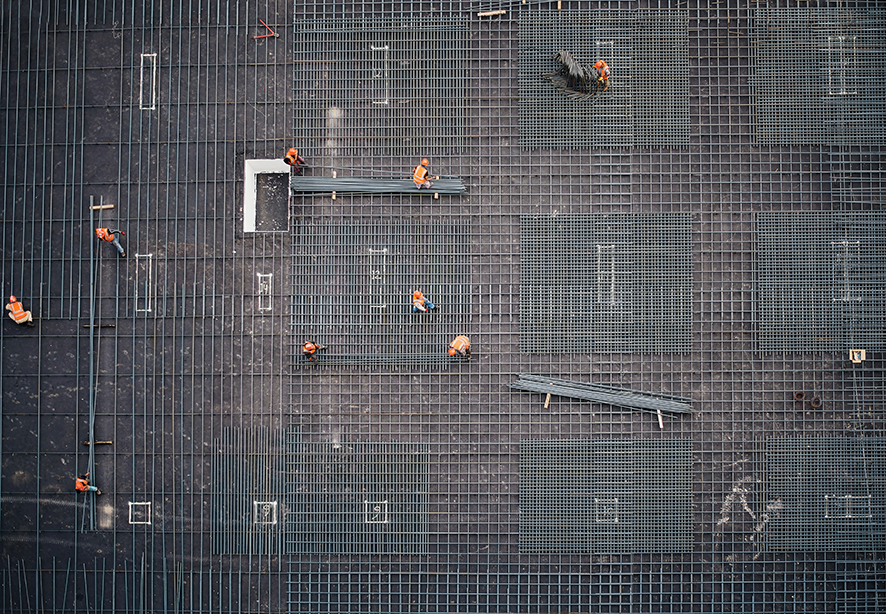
[
  {"x": 369, "y": 185},
  {"x": 597, "y": 393}
]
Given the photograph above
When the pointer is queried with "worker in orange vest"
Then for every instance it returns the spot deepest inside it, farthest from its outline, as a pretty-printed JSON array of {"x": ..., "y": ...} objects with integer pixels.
[
  {"x": 421, "y": 303},
  {"x": 310, "y": 348},
  {"x": 82, "y": 484},
  {"x": 107, "y": 234},
  {"x": 420, "y": 175},
  {"x": 602, "y": 73},
  {"x": 294, "y": 160},
  {"x": 18, "y": 313},
  {"x": 460, "y": 346}
]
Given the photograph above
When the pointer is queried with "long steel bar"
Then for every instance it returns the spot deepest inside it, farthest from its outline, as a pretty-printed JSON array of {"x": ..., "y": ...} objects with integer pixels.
[
  {"x": 369, "y": 185},
  {"x": 618, "y": 397}
]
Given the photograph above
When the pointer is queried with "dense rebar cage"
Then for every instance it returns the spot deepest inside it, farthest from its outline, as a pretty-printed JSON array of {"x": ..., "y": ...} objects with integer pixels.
[{"x": 386, "y": 476}]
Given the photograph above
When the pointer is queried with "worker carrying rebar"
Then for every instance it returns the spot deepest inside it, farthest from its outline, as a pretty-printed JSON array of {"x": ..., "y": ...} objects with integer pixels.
[
  {"x": 310, "y": 348},
  {"x": 17, "y": 313},
  {"x": 602, "y": 73},
  {"x": 294, "y": 160},
  {"x": 460, "y": 346},
  {"x": 108, "y": 234},
  {"x": 82, "y": 484},
  {"x": 420, "y": 175},
  {"x": 421, "y": 303}
]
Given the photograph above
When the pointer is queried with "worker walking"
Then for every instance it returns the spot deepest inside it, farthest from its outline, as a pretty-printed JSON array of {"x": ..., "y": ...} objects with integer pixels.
[
  {"x": 294, "y": 160},
  {"x": 460, "y": 346},
  {"x": 82, "y": 484},
  {"x": 602, "y": 73},
  {"x": 420, "y": 175},
  {"x": 107, "y": 234},
  {"x": 18, "y": 313},
  {"x": 310, "y": 348},
  {"x": 421, "y": 303}
]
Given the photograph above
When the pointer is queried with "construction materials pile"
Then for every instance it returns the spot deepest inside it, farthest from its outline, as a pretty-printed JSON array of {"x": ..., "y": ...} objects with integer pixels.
[{"x": 597, "y": 393}]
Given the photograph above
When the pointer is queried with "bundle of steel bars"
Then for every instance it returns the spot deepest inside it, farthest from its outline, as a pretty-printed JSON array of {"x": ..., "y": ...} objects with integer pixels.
[
  {"x": 597, "y": 393},
  {"x": 368, "y": 185}
]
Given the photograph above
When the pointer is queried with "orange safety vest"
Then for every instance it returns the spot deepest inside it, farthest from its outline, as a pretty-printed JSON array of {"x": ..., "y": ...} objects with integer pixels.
[
  {"x": 81, "y": 485},
  {"x": 19, "y": 315},
  {"x": 460, "y": 343},
  {"x": 291, "y": 156},
  {"x": 103, "y": 234},
  {"x": 418, "y": 300},
  {"x": 603, "y": 68},
  {"x": 419, "y": 175}
]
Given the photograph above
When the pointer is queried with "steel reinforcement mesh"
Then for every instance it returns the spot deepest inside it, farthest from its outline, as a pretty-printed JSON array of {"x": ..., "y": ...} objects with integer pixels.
[
  {"x": 605, "y": 283},
  {"x": 182, "y": 353},
  {"x": 818, "y": 74}
]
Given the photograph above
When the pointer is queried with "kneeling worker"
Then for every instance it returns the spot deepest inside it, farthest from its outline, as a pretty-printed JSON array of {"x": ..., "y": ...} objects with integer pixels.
[{"x": 460, "y": 346}]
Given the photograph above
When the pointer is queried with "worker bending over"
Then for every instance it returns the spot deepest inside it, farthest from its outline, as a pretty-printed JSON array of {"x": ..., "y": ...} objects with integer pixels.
[
  {"x": 310, "y": 348},
  {"x": 420, "y": 175},
  {"x": 294, "y": 160},
  {"x": 602, "y": 73},
  {"x": 460, "y": 346},
  {"x": 82, "y": 484},
  {"x": 17, "y": 313},
  {"x": 421, "y": 303},
  {"x": 107, "y": 234}
]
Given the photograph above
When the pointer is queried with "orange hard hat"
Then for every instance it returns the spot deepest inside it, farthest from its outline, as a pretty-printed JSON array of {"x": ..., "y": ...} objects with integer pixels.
[
  {"x": 452, "y": 351},
  {"x": 12, "y": 299},
  {"x": 425, "y": 161},
  {"x": 309, "y": 346},
  {"x": 416, "y": 294}
]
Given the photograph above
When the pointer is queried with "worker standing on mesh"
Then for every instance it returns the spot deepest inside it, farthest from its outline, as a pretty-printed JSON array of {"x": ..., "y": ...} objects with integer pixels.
[
  {"x": 420, "y": 175},
  {"x": 460, "y": 346},
  {"x": 602, "y": 73},
  {"x": 17, "y": 313},
  {"x": 421, "y": 303},
  {"x": 82, "y": 484},
  {"x": 310, "y": 348},
  {"x": 107, "y": 234},
  {"x": 294, "y": 160}
]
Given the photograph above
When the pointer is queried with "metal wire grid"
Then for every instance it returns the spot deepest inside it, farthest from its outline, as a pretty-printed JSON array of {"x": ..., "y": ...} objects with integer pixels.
[
  {"x": 647, "y": 52},
  {"x": 826, "y": 493},
  {"x": 473, "y": 429},
  {"x": 816, "y": 76},
  {"x": 821, "y": 281},
  {"x": 352, "y": 284},
  {"x": 390, "y": 87},
  {"x": 606, "y": 283},
  {"x": 605, "y": 496}
]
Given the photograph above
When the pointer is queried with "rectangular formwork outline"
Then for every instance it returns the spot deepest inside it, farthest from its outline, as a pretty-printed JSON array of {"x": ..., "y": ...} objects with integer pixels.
[
  {"x": 147, "y": 96},
  {"x": 144, "y": 274}
]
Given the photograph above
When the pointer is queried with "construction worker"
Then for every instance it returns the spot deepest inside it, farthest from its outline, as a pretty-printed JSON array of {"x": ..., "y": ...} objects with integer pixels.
[
  {"x": 294, "y": 160},
  {"x": 421, "y": 303},
  {"x": 310, "y": 348},
  {"x": 107, "y": 234},
  {"x": 420, "y": 175},
  {"x": 602, "y": 73},
  {"x": 18, "y": 313},
  {"x": 460, "y": 346},
  {"x": 82, "y": 484}
]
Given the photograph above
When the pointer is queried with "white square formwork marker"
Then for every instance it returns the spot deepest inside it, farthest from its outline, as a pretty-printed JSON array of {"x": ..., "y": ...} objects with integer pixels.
[
  {"x": 139, "y": 512},
  {"x": 250, "y": 185}
]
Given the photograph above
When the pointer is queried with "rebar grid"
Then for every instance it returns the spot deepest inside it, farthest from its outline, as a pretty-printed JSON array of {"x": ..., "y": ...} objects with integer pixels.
[{"x": 208, "y": 356}]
